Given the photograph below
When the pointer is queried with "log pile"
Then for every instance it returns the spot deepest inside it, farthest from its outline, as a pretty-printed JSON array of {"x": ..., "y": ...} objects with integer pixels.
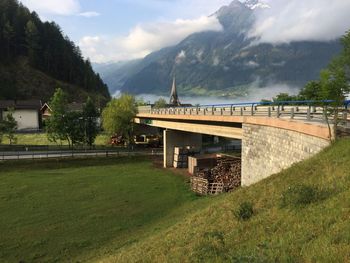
[{"x": 227, "y": 172}]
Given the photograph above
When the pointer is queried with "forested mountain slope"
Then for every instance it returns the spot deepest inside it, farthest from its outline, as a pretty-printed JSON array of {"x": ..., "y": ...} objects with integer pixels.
[{"x": 36, "y": 58}]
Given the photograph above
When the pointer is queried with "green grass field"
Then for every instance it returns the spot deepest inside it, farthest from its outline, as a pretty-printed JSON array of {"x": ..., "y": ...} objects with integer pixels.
[
  {"x": 300, "y": 215},
  {"x": 70, "y": 211},
  {"x": 41, "y": 139},
  {"x": 125, "y": 210}
]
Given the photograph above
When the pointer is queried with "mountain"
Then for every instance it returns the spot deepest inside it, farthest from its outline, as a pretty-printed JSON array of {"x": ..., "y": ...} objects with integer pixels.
[
  {"x": 228, "y": 62},
  {"x": 36, "y": 58},
  {"x": 115, "y": 74}
]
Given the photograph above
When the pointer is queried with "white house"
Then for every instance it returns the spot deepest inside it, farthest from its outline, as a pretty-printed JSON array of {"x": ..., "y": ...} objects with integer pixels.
[{"x": 26, "y": 113}]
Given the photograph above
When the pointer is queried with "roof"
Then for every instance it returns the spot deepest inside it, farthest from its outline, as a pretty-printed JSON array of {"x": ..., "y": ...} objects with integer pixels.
[
  {"x": 45, "y": 106},
  {"x": 20, "y": 104}
]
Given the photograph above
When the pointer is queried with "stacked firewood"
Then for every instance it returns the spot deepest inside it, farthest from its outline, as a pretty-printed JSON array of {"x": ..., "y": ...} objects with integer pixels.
[{"x": 227, "y": 171}]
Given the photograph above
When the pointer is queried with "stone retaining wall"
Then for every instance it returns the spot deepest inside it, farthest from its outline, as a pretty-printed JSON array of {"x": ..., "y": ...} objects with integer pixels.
[{"x": 267, "y": 150}]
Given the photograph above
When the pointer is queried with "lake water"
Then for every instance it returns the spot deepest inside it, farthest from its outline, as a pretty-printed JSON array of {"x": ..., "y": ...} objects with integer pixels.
[{"x": 256, "y": 94}]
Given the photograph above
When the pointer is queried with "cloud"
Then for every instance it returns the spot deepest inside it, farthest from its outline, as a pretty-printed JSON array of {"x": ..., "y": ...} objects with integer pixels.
[
  {"x": 180, "y": 57},
  {"x": 295, "y": 20},
  {"x": 89, "y": 14},
  {"x": 144, "y": 39},
  {"x": 57, "y": 7}
]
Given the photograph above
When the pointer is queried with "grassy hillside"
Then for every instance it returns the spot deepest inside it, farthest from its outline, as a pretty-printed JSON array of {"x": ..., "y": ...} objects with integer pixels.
[
  {"x": 29, "y": 83},
  {"x": 68, "y": 211},
  {"x": 300, "y": 215}
]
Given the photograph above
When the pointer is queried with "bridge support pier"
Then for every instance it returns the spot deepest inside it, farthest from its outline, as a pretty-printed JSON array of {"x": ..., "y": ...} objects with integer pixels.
[{"x": 173, "y": 139}]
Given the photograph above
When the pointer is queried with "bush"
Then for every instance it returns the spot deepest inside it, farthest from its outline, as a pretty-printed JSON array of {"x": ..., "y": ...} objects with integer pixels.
[
  {"x": 245, "y": 211},
  {"x": 301, "y": 195}
]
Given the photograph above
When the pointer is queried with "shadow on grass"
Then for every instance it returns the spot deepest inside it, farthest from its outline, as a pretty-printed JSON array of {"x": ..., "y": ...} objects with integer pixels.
[{"x": 6, "y": 166}]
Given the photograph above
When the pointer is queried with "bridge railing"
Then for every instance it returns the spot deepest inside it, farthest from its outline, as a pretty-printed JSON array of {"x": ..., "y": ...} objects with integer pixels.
[{"x": 303, "y": 110}]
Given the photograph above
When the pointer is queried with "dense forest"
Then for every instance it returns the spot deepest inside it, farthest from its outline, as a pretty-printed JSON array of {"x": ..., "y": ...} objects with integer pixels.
[{"x": 40, "y": 52}]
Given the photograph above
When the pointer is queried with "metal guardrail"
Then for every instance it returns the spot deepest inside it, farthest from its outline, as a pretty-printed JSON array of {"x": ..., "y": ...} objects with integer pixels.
[
  {"x": 57, "y": 147},
  {"x": 303, "y": 110},
  {"x": 7, "y": 156}
]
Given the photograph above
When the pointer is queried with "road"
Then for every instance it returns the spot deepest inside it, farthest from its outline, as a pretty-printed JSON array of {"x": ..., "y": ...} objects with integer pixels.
[{"x": 23, "y": 155}]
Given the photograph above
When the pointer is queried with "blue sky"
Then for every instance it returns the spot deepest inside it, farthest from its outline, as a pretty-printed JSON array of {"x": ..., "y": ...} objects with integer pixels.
[
  {"x": 101, "y": 23},
  {"x": 115, "y": 30}
]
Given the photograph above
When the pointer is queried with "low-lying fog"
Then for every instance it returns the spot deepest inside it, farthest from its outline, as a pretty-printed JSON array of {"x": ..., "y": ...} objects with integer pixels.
[{"x": 255, "y": 94}]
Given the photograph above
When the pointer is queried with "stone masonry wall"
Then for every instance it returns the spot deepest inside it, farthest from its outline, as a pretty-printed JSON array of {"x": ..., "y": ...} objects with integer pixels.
[{"x": 268, "y": 150}]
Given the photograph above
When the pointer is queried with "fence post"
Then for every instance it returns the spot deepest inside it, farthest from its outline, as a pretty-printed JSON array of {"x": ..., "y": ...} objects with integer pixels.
[
  {"x": 345, "y": 116},
  {"x": 308, "y": 116},
  {"x": 269, "y": 111},
  {"x": 292, "y": 113},
  {"x": 241, "y": 111},
  {"x": 231, "y": 110},
  {"x": 212, "y": 110},
  {"x": 278, "y": 111}
]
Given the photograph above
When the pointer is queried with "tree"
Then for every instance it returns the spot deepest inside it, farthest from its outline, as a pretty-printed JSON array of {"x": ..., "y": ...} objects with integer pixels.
[
  {"x": 32, "y": 40},
  {"x": 334, "y": 87},
  {"x": 23, "y": 34},
  {"x": 311, "y": 91},
  {"x": 57, "y": 123},
  {"x": 284, "y": 97},
  {"x": 141, "y": 102},
  {"x": 160, "y": 103},
  {"x": 2, "y": 130},
  {"x": 117, "y": 117},
  {"x": 74, "y": 127},
  {"x": 90, "y": 115},
  {"x": 9, "y": 34},
  {"x": 9, "y": 126}
]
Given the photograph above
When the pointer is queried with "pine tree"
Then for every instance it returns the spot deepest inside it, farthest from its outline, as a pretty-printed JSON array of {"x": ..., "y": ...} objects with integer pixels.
[
  {"x": 33, "y": 42},
  {"x": 9, "y": 34},
  {"x": 91, "y": 115}
]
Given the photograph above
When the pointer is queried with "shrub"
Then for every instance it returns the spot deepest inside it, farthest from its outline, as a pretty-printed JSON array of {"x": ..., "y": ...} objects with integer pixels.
[
  {"x": 301, "y": 195},
  {"x": 245, "y": 211}
]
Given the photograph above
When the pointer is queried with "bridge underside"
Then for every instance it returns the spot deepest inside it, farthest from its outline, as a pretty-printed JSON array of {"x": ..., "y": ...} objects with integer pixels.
[
  {"x": 227, "y": 130},
  {"x": 269, "y": 145}
]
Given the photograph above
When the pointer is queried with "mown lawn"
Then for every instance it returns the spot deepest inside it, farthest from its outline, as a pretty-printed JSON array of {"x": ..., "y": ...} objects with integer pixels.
[
  {"x": 70, "y": 211},
  {"x": 41, "y": 139},
  {"x": 299, "y": 215}
]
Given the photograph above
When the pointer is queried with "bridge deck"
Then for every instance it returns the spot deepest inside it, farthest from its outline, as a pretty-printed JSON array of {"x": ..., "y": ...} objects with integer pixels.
[{"x": 313, "y": 128}]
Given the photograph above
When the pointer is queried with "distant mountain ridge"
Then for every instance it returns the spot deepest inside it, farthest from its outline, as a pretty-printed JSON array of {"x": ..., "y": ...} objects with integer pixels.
[{"x": 226, "y": 63}]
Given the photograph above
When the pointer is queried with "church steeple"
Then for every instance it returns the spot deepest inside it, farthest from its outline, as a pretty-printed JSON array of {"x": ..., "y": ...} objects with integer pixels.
[{"x": 174, "y": 99}]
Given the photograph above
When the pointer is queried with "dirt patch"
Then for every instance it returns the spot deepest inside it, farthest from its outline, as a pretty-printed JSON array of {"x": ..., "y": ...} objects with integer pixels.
[{"x": 157, "y": 162}]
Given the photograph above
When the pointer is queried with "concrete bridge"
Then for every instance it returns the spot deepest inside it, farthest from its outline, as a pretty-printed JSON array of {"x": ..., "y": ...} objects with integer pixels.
[{"x": 273, "y": 136}]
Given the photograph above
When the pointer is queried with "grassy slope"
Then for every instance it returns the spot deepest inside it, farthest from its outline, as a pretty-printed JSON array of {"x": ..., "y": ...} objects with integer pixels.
[
  {"x": 34, "y": 84},
  {"x": 318, "y": 232},
  {"x": 72, "y": 210}
]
